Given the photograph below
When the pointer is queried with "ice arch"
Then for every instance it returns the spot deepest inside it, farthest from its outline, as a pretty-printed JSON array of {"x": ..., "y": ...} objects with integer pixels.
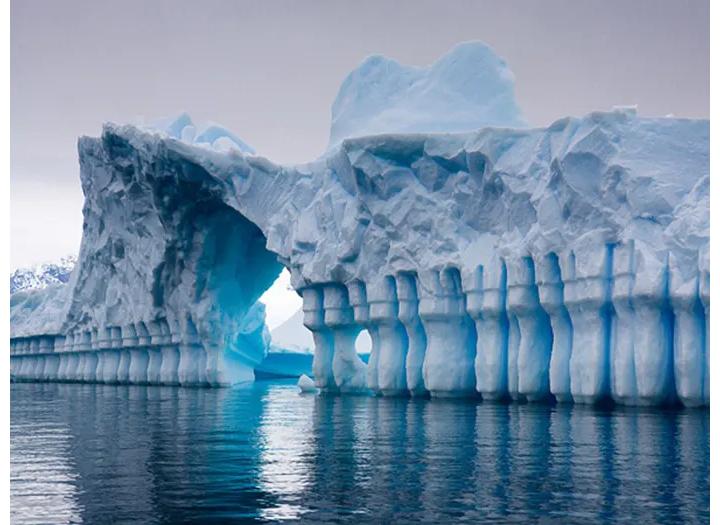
[
  {"x": 169, "y": 273},
  {"x": 458, "y": 253}
]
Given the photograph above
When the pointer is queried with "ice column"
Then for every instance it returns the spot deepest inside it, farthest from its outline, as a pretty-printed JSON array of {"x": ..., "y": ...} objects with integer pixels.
[
  {"x": 100, "y": 345},
  {"x": 486, "y": 298},
  {"x": 157, "y": 340},
  {"x": 129, "y": 342},
  {"x": 170, "y": 353},
  {"x": 689, "y": 333},
  {"x": 408, "y": 314},
  {"x": 361, "y": 310},
  {"x": 28, "y": 364},
  {"x": 13, "y": 357},
  {"x": 18, "y": 361},
  {"x": 213, "y": 361},
  {"x": 89, "y": 359},
  {"x": 392, "y": 340},
  {"x": 450, "y": 354},
  {"x": 36, "y": 361},
  {"x": 19, "y": 372},
  {"x": 66, "y": 370},
  {"x": 552, "y": 299},
  {"x": 193, "y": 359},
  {"x": 22, "y": 362},
  {"x": 68, "y": 362},
  {"x": 110, "y": 359},
  {"x": 641, "y": 364},
  {"x": 29, "y": 360},
  {"x": 58, "y": 348},
  {"x": 347, "y": 368},
  {"x": 704, "y": 263},
  {"x": 314, "y": 320},
  {"x": 586, "y": 272},
  {"x": 529, "y": 352},
  {"x": 52, "y": 361},
  {"x": 139, "y": 359}
]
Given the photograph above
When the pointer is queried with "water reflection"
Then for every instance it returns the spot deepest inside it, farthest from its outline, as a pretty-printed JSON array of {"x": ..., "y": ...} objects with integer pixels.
[{"x": 102, "y": 454}]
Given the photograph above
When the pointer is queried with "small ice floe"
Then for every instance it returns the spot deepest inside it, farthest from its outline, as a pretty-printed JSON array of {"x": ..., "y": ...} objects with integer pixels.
[{"x": 306, "y": 385}]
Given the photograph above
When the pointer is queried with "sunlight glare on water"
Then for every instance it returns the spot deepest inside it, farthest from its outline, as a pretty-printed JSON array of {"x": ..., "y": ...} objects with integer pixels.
[{"x": 261, "y": 453}]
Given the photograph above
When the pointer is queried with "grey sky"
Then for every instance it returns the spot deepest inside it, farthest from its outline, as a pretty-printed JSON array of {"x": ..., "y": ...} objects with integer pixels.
[{"x": 269, "y": 70}]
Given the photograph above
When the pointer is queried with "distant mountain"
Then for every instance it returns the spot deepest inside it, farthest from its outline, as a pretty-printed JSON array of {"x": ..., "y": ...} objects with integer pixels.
[
  {"x": 292, "y": 336},
  {"x": 42, "y": 275}
]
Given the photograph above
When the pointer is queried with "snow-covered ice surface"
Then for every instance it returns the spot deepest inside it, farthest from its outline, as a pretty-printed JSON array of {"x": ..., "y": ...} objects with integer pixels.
[{"x": 568, "y": 261}]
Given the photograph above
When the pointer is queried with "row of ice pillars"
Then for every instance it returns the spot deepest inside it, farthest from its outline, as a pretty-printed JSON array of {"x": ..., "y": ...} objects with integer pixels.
[
  {"x": 156, "y": 352},
  {"x": 584, "y": 327}
]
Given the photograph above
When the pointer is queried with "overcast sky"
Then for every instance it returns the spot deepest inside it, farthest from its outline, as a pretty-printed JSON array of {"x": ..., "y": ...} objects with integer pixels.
[{"x": 269, "y": 70}]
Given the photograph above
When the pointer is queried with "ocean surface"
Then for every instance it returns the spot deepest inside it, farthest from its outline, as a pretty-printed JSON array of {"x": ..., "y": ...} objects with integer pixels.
[{"x": 117, "y": 454}]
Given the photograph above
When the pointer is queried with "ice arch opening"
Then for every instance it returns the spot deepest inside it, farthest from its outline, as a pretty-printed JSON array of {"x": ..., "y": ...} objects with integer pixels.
[
  {"x": 363, "y": 344},
  {"x": 282, "y": 303},
  {"x": 171, "y": 270},
  {"x": 236, "y": 268}
]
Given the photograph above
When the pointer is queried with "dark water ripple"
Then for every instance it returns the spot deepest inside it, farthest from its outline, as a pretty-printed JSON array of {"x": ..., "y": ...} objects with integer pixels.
[{"x": 114, "y": 454}]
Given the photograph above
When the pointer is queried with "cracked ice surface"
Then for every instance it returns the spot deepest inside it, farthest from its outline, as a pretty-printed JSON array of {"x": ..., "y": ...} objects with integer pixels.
[{"x": 569, "y": 261}]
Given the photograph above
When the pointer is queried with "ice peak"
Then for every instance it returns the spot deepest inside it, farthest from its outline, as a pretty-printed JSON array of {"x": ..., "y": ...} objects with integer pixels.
[
  {"x": 468, "y": 88},
  {"x": 209, "y": 134}
]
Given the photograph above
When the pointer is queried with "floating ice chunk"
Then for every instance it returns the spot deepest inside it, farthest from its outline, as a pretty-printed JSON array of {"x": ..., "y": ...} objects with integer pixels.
[{"x": 306, "y": 385}]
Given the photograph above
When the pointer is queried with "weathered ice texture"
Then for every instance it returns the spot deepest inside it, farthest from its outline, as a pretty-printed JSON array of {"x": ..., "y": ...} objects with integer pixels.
[{"x": 569, "y": 261}]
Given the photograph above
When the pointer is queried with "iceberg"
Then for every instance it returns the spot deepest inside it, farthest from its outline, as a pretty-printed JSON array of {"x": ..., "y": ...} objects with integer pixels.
[{"x": 568, "y": 262}]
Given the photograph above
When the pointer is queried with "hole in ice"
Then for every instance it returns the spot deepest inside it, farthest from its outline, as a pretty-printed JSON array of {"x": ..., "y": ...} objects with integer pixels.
[
  {"x": 363, "y": 345},
  {"x": 281, "y": 301},
  {"x": 284, "y": 317}
]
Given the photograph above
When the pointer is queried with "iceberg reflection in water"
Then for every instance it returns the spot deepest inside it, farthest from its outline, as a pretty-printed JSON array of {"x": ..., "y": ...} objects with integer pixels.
[{"x": 100, "y": 453}]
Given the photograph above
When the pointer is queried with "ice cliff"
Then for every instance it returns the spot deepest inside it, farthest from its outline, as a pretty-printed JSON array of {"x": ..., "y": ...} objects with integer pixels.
[{"x": 568, "y": 262}]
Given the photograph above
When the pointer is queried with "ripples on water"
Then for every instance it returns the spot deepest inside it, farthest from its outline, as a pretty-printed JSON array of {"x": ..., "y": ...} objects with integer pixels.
[{"x": 115, "y": 454}]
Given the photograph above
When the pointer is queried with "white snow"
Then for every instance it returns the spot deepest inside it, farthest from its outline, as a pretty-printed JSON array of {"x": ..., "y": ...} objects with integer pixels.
[{"x": 42, "y": 275}]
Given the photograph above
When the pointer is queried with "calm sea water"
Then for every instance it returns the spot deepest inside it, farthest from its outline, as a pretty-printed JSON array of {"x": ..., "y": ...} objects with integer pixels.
[{"x": 114, "y": 454}]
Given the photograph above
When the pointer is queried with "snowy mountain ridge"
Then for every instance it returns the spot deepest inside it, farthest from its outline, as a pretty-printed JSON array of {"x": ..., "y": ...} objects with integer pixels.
[{"x": 42, "y": 275}]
